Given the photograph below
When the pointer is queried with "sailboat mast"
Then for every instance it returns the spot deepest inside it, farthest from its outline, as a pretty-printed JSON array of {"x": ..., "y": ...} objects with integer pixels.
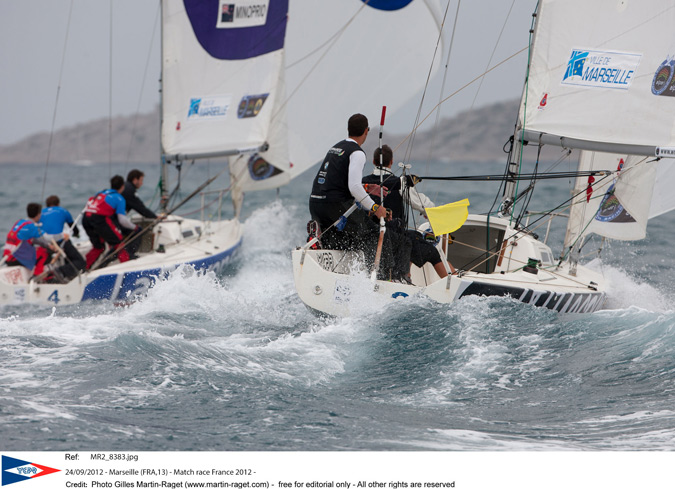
[
  {"x": 164, "y": 170},
  {"x": 516, "y": 153}
]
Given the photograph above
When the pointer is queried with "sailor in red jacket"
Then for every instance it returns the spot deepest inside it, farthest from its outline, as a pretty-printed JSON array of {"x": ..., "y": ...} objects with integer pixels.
[
  {"x": 19, "y": 247},
  {"x": 105, "y": 221}
]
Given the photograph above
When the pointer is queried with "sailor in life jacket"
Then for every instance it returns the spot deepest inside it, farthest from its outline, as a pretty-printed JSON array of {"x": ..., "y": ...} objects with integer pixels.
[
  {"x": 19, "y": 247},
  {"x": 337, "y": 185},
  {"x": 399, "y": 192},
  {"x": 53, "y": 220},
  {"x": 105, "y": 221}
]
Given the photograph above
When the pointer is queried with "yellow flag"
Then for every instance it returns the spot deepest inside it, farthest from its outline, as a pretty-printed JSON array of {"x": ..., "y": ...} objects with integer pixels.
[{"x": 449, "y": 217}]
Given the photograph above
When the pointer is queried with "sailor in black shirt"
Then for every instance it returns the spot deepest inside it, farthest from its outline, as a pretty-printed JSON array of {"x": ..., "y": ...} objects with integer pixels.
[
  {"x": 337, "y": 185},
  {"x": 400, "y": 193},
  {"x": 133, "y": 183}
]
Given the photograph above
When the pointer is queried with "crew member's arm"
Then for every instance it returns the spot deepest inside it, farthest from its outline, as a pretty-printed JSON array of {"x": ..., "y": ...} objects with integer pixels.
[
  {"x": 31, "y": 231},
  {"x": 134, "y": 203},
  {"x": 125, "y": 222},
  {"x": 418, "y": 200},
  {"x": 71, "y": 224},
  {"x": 119, "y": 205},
  {"x": 356, "y": 162}
]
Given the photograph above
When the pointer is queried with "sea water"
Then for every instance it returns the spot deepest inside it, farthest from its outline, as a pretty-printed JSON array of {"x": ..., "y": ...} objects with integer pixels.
[{"x": 237, "y": 362}]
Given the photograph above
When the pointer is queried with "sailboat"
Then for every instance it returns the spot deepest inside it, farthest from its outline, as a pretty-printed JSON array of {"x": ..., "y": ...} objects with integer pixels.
[
  {"x": 599, "y": 84},
  {"x": 264, "y": 84},
  {"x": 220, "y": 88}
]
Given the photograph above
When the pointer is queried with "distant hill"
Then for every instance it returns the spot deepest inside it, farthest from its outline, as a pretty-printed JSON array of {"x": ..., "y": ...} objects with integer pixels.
[
  {"x": 133, "y": 139},
  {"x": 476, "y": 135}
]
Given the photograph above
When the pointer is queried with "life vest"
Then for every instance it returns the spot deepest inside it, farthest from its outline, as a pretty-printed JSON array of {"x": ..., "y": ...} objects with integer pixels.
[
  {"x": 98, "y": 205},
  {"x": 392, "y": 200},
  {"x": 331, "y": 183},
  {"x": 13, "y": 242}
]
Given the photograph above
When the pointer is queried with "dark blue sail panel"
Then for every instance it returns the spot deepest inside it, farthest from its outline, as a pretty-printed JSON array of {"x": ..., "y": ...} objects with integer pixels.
[
  {"x": 237, "y": 42},
  {"x": 387, "y": 4}
]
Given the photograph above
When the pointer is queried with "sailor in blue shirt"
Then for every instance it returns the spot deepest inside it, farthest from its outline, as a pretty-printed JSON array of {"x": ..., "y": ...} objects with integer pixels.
[
  {"x": 54, "y": 218},
  {"x": 52, "y": 221},
  {"x": 19, "y": 246}
]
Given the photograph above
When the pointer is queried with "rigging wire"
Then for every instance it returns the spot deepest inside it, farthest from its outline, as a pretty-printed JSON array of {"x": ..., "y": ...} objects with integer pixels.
[
  {"x": 140, "y": 95},
  {"x": 56, "y": 102},
  {"x": 330, "y": 43},
  {"x": 445, "y": 76},
  {"x": 459, "y": 90},
  {"x": 424, "y": 92},
  {"x": 110, "y": 91}
]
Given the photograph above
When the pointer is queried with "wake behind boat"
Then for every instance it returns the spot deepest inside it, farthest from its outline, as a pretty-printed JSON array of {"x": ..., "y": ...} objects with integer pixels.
[{"x": 590, "y": 66}]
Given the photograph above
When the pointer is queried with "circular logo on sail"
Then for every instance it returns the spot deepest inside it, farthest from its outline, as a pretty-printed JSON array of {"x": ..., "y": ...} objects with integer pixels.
[
  {"x": 387, "y": 4},
  {"x": 260, "y": 169},
  {"x": 662, "y": 84}
]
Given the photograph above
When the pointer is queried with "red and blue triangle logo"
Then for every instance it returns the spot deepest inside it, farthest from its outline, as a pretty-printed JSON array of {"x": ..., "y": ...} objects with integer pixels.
[{"x": 15, "y": 470}]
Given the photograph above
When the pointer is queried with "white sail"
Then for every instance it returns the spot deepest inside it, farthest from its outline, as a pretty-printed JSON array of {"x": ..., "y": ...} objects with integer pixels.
[
  {"x": 222, "y": 68},
  {"x": 602, "y": 72},
  {"x": 278, "y": 77},
  {"x": 348, "y": 56},
  {"x": 619, "y": 204},
  {"x": 615, "y": 204}
]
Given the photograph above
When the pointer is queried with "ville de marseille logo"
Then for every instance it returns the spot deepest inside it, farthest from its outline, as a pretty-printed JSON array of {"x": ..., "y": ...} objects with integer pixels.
[{"x": 15, "y": 470}]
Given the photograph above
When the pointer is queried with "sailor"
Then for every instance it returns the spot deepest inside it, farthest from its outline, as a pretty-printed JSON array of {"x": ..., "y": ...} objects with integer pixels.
[
  {"x": 400, "y": 192},
  {"x": 52, "y": 221},
  {"x": 19, "y": 247},
  {"x": 105, "y": 221},
  {"x": 337, "y": 186},
  {"x": 133, "y": 183}
]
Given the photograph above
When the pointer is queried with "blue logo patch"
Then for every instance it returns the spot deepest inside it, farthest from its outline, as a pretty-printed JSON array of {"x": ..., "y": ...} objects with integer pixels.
[
  {"x": 397, "y": 295},
  {"x": 387, "y": 4},
  {"x": 575, "y": 65},
  {"x": 601, "y": 69},
  {"x": 15, "y": 470}
]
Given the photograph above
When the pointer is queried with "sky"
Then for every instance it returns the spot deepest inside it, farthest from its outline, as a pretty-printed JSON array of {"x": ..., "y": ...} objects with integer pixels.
[{"x": 56, "y": 60}]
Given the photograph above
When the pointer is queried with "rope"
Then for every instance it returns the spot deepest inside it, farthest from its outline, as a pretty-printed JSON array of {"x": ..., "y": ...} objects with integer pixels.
[{"x": 56, "y": 102}]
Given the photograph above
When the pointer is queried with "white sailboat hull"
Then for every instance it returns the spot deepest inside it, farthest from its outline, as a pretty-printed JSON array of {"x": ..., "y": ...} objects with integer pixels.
[
  {"x": 329, "y": 283},
  {"x": 201, "y": 245}
]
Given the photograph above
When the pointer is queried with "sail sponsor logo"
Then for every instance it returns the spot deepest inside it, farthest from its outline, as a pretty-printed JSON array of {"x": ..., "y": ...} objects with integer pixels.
[
  {"x": 664, "y": 81},
  {"x": 15, "y": 470},
  {"x": 601, "y": 69},
  {"x": 209, "y": 108},
  {"x": 261, "y": 169},
  {"x": 243, "y": 13},
  {"x": 387, "y": 4},
  {"x": 250, "y": 105},
  {"x": 611, "y": 209}
]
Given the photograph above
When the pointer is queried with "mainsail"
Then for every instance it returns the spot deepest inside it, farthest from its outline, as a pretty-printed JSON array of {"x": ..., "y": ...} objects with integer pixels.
[
  {"x": 601, "y": 80},
  {"x": 601, "y": 76},
  {"x": 222, "y": 81}
]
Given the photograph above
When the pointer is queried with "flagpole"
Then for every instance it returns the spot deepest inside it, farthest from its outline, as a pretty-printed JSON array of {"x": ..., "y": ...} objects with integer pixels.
[{"x": 380, "y": 239}]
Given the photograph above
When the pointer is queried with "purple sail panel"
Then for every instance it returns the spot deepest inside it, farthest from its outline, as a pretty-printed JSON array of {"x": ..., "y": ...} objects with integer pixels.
[
  {"x": 387, "y": 4},
  {"x": 215, "y": 24}
]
